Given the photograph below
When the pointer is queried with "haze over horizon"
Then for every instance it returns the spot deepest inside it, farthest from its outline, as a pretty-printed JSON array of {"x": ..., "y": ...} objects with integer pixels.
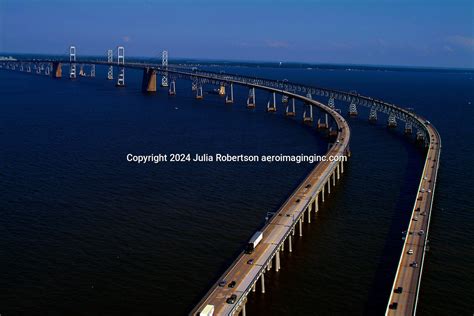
[{"x": 398, "y": 33}]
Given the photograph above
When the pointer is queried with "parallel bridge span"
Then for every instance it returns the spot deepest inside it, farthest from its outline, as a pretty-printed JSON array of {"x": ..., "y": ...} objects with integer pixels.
[{"x": 281, "y": 227}]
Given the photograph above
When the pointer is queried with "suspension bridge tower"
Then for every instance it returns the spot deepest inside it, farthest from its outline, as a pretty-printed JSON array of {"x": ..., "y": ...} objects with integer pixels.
[
  {"x": 164, "y": 64},
  {"x": 72, "y": 62},
  {"x": 110, "y": 60}
]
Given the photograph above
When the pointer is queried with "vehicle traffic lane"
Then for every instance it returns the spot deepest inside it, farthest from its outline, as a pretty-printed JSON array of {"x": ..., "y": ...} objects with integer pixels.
[
  {"x": 279, "y": 225},
  {"x": 407, "y": 282}
]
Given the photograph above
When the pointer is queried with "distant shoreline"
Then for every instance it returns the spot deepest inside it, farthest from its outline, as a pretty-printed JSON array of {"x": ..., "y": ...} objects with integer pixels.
[{"x": 268, "y": 64}]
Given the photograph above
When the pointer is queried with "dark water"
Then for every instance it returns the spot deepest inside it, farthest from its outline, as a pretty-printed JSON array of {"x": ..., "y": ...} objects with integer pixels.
[{"x": 85, "y": 232}]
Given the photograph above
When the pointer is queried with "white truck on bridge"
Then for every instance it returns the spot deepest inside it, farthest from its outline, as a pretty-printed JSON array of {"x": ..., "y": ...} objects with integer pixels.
[
  {"x": 253, "y": 242},
  {"x": 207, "y": 311}
]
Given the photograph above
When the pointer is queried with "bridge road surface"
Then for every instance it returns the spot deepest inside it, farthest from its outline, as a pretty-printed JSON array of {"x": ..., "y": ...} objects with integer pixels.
[
  {"x": 274, "y": 232},
  {"x": 409, "y": 277}
]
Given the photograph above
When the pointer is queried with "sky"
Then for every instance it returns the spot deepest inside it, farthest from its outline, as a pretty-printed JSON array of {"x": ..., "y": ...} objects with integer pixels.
[{"x": 429, "y": 33}]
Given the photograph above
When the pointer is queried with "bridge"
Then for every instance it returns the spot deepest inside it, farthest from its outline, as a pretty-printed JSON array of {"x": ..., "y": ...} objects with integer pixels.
[
  {"x": 404, "y": 296},
  {"x": 280, "y": 229}
]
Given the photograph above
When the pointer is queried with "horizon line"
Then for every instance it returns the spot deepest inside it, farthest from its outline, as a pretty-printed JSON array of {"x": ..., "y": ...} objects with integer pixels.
[{"x": 255, "y": 61}]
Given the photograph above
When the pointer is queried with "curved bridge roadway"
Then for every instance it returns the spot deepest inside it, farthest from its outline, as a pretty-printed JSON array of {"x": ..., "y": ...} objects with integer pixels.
[
  {"x": 404, "y": 295},
  {"x": 280, "y": 227}
]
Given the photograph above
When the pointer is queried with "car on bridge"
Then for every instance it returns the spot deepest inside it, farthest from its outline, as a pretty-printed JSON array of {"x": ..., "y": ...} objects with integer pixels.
[{"x": 231, "y": 299}]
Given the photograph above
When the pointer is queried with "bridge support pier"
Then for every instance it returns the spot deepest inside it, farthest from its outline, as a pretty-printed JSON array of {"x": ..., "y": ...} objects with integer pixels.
[
  {"x": 420, "y": 136},
  {"x": 309, "y": 213},
  {"x": 263, "y": 283},
  {"x": 244, "y": 312},
  {"x": 271, "y": 105},
  {"x": 121, "y": 78},
  {"x": 331, "y": 103},
  {"x": 251, "y": 99},
  {"x": 199, "y": 94},
  {"x": 57, "y": 70},
  {"x": 337, "y": 170},
  {"x": 308, "y": 119},
  {"x": 149, "y": 80},
  {"x": 316, "y": 203},
  {"x": 329, "y": 185},
  {"x": 342, "y": 166},
  {"x": 392, "y": 120},
  {"x": 333, "y": 179},
  {"x": 353, "y": 109},
  {"x": 277, "y": 261},
  {"x": 290, "y": 249},
  {"x": 292, "y": 111},
  {"x": 121, "y": 63},
  {"x": 283, "y": 246},
  {"x": 172, "y": 89},
  {"x": 324, "y": 124},
  {"x": 408, "y": 128},
  {"x": 221, "y": 89},
  {"x": 373, "y": 115},
  {"x": 323, "y": 195},
  {"x": 301, "y": 227},
  {"x": 254, "y": 287},
  {"x": 230, "y": 100}
]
